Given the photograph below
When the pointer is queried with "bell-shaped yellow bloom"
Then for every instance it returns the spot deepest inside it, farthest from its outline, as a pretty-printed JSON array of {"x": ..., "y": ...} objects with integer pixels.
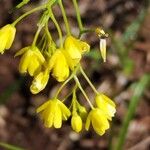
[
  {"x": 76, "y": 122},
  {"x": 106, "y": 105},
  {"x": 53, "y": 112},
  {"x": 31, "y": 60},
  {"x": 99, "y": 121},
  {"x": 73, "y": 50},
  {"x": 58, "y": 65},
  {"x": 7, "y": 35},
  {"x": 39, "y": 82}
]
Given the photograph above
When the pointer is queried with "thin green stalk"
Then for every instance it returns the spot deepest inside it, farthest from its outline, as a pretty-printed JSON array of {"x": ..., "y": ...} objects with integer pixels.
[
  {"x": 24, "y": 2},
  {"x": 138, "y": 92},
  {"x": 9, "y": 146},
  {"x": 85, "y": 31},
  {"x": 28, "y": 13},
  {"x": 88, "y": 80},
  {"x": 36, "y": 36},
  {"x": 78, "y": 15},
  {"x": 69, "y": 94},
  {"x": 64, "y": 17},
  {"x": 48, "y": 33},
  {"x": 74, "y": 99},
  {"x": 83, "y": 92},
  {"x": 57, "y": 26}
]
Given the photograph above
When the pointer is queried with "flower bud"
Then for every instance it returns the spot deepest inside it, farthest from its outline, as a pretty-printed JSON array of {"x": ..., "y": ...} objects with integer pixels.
[{"x": 76, "y": 123}]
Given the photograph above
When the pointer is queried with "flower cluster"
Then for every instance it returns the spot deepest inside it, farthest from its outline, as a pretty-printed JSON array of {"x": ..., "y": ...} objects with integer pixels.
[{"x": 45, "y": 59}]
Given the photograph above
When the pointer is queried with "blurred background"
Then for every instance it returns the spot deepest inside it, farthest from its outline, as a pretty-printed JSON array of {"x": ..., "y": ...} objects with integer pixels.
[{"x": 124, "y": 77}]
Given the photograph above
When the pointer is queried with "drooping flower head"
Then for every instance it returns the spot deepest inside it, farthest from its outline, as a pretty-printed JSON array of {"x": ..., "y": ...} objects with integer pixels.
[
  {"x": 58, "y": 66},
  {"x": 39, "y": 82},
  {"x": 106, "y": 105},
  {"x": 53, "y": 112},
  {"x": 98, "y": 120},
  {"x": 31, "y": 60},
  {"x": 73, "y": 50},
  {"x": 7, "y": 35}
]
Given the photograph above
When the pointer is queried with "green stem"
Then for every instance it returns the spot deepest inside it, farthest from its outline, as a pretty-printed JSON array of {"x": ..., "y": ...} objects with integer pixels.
[
  {"x": 69, "y": 94},
  {"x": 83, "y": 92},
  {"x": 88, "y": 80},
  {"x": 64, "y": 17},
  {"x": 138, "y": 92},
  {"x": 57, "y": 26},
  {"x": 74, "y": 101},
  {"x": 48, "y": 33},
  {"x": 78, "y": 15},
  {"x": 85, "y": 31},
  {"x": 36, "y": 36},
  {"x": 28, "y": 13},
  {"x": 24, "y": 2}
]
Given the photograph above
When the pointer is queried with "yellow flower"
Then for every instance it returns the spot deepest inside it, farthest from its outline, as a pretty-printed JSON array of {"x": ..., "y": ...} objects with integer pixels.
[
  {"x": 58, "y": 65},
  {"x": 53, "y": 112},
  {"x": 99, "y": 121},
  {"x": 39, "y": 82},
  {"x": 106, "y": 105},
  {"x": 7, "y": 35},
  {"x": 76, "y": 122},
  {"x": 31, "y": 60},
  {"x": 73, "y": 50}
]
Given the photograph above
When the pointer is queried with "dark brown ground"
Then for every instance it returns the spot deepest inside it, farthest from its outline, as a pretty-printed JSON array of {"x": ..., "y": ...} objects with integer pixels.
[{"x": 19, "y": 124}]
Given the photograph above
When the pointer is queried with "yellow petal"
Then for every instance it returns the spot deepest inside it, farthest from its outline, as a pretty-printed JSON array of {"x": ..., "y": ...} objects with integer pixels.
[
  {"x": 34, "y": 66},
  {"x": 11, "y": 33},
  {"x": 106, "y": 105},
  {"x": 99, "y": 121},
  {"x": 24, "y": 62},
  {"x": 65, "y": 111},
  {"x": 59, "y": 67},
  {"x": 22, "y": 51},
  {"x": 2, "y": 43},
  {"x": 58, "y": 117},
  {"x": 39, "y": 55},
  {"x": 43, "y": 106},
  {"x": 7, "y": 34}
]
